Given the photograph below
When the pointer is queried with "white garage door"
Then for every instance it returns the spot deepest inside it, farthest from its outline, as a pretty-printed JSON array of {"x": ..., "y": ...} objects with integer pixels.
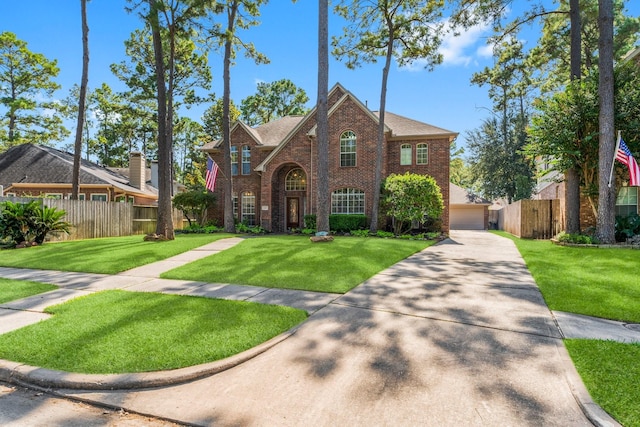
[{"x": 471, "y": 218}]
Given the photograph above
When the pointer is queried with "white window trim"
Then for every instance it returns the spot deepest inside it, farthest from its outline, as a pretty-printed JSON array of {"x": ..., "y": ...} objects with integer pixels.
[{"x": 99, "y": 194}]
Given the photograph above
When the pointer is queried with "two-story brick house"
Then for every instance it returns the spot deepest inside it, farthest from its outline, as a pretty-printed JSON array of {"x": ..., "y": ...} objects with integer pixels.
[{"x": 274, "y": 166}]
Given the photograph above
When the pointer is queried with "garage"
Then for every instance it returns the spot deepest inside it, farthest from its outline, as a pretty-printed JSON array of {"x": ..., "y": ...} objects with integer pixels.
[
  {"x": 467, "y": 211},
  {"x": 467, "y": 218}
]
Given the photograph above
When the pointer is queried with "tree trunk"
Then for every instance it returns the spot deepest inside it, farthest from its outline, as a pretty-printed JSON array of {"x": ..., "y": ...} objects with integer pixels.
[
  {"x": 571, "y": 176},
  {"x": 229, "y": 222},
  {"x": 323, "y": 202},
  {"x": 77, "y": 149},
  {"x": 605, "y": 225},
  {"x": 373, "y": 227},
  {"x": 164, "y": 225}
]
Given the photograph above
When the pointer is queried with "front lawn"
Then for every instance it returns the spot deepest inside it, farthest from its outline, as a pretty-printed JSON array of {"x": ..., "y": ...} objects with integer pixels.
[
  {"x": 119, "y": 331},
  {"x": 293, "y": 262},
  {"x": 11, "y": 290},
  {"x": 108, "y": 255},
  {"x": 591, "y": 281},
  {"x": 611, "y": 372}
]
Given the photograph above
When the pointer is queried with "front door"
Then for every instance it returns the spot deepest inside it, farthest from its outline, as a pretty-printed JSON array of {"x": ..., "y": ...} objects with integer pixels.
[{"x": 293, "y": 212}]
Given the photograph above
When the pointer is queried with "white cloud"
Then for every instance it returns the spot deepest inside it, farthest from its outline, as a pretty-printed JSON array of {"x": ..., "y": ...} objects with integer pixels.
[
  {"x": 462, "y": 49},
  {"x": 485, "y": 51},
  {"x": 459, "y": 49}
]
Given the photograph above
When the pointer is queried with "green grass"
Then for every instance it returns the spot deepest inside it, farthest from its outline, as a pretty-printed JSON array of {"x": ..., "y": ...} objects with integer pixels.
[
  {"x": 11, "y": 290},
  {"x": 591, "y": 281},
  {"x": 109, "y": 255},
  {"x": 610, "y": 371},
  {"x": 120, "y": 331},
  {"x": 293, "y": 262}
]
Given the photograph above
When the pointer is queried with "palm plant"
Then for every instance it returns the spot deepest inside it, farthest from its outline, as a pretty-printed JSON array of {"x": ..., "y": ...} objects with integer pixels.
[{"x": 29, "y": 223}]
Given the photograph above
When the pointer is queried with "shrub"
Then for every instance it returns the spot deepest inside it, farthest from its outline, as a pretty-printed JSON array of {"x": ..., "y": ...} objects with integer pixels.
[
  {"x": 384, "y": 234},
  {"x": 627, "y": 227},
  {"x": 310, "y": 222},
  {"x": 198, "y": 229},
  {"x": 411, "y": 197},
  {"x": 580, "y": 239},
  {"x": 345, "y": 223},
  {"x": 29, "y": 223},
  {"x": 195, "y": 204},
  {"x": 359, "y": 233},
  {"x": 250, "y": 229}
]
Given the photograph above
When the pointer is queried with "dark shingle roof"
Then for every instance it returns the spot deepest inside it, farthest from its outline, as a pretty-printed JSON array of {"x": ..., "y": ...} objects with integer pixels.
[
  {"x": 405, "y": 127},
  {"x": 29, "y": 163}
]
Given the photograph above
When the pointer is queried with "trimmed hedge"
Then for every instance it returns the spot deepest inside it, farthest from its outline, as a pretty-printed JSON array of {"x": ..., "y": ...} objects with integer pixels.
[
  {"x": 346, "y": 223},
  {"x": 340, "y": 223}
]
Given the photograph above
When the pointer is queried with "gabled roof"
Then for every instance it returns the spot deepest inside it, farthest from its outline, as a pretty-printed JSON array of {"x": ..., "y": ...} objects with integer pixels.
[
  {"x": 269, "y": 134},
  {"x": 460, "y": 196},
  {"x": 347, "y": 96},
  {"x": 404, "y": 127},
  {"x": 278, "y": 132},
  {"x": 37, "y": 164}
]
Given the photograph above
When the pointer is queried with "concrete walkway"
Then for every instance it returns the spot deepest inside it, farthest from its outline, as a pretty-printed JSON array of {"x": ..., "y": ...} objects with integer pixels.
[{"x": 457, "y": 334}]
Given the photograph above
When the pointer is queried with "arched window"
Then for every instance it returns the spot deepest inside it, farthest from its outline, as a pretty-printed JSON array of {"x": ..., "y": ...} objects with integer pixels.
[
  {"x": 405, "y": 154},
  {"x": 422, "y": 154},
  {"x": 248, "y": 208},
  {"x": 348, "y": 149},
  {"x": 347, "y": 201},
  {"x": 246, "y": 160},
  {"x": 296, "y": 180}
]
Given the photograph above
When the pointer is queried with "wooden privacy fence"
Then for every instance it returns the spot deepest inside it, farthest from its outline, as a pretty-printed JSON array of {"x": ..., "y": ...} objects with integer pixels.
[
  {"x": 532, "y": 219},
  {"x": 91, "y": 219},
  {"x": 94, "y": 219}
]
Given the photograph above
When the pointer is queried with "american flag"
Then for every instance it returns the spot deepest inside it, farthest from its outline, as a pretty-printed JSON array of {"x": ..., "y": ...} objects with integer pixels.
[
  {"x": 623, "y": 155},
  {"x": 212, "y": 173}
]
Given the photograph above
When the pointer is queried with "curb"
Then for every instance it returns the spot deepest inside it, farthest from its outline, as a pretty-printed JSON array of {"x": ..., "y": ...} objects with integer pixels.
[
  {"x": 598, "y": 416},
  {"x": 26, "y": 375}
]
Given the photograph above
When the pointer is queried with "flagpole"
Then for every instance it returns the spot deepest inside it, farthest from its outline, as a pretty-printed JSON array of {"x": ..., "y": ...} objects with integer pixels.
[{"x": 613, "y": 162}]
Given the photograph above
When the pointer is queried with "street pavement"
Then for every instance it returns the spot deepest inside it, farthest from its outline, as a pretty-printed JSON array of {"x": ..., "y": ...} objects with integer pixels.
[{"x": 457, "y": 334}]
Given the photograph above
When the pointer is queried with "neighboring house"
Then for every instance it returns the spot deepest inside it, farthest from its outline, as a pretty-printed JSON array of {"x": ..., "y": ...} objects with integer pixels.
[
  {"x": 467, "y": 211},
  {"x": 274, "y": 166},
  {"x": 36, "y": 170},
  {"x": 552, "y": 185}
]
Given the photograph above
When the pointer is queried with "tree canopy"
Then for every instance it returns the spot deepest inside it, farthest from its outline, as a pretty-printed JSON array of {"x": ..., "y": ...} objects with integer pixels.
[
  {"x": 272, "y": 101},
  {"x": 26, "y": 95}
]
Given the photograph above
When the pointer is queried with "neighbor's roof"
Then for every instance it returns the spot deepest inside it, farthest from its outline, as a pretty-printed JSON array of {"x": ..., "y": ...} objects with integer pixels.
[
  {"x": 460, "y": 196},
  {"x": 37, "y": 164}
]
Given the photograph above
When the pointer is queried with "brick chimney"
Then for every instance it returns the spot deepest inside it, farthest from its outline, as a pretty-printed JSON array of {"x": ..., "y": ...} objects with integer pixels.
[{"x": 137, "y": 170}]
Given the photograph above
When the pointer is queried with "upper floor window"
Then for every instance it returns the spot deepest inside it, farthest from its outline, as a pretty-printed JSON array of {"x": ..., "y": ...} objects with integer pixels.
[
  {"x": 347, "y": 201},
  {"x": 246, "y": 160},
  {"x": 405, "y": 154},
  {"x": 422, "y": 154},
  {"x": 234, "y": 160},
  {"x": 296, "y": 180},
  {"x": 348, "y": 149},
  {"x": 627, "y": 201}
]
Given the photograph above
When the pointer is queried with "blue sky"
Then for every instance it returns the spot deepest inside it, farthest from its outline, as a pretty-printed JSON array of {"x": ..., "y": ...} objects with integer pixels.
[{"x": 288, "y": 36}]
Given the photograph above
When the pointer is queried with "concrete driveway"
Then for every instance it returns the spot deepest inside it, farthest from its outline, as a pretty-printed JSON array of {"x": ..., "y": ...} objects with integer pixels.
[{"x": 456, "y": 335}]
